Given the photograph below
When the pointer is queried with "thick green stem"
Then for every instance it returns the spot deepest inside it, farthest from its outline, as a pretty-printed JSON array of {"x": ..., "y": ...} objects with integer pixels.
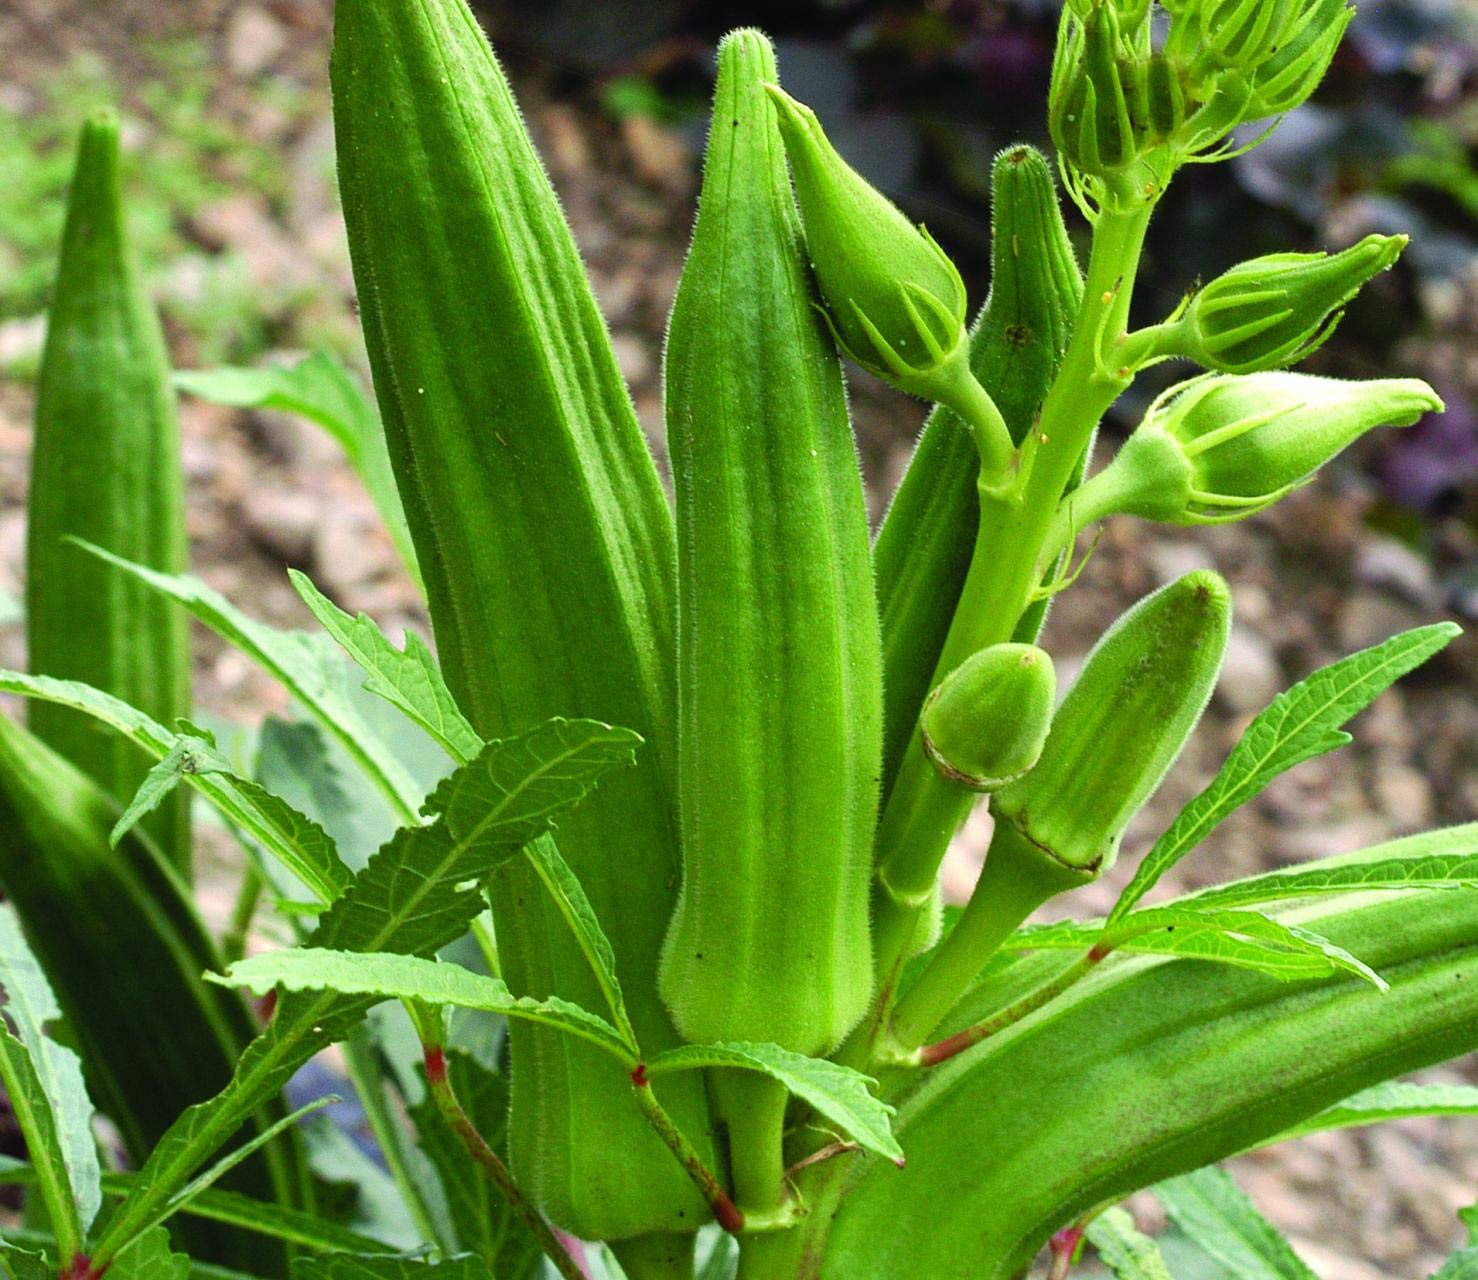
[
  {"x": 724, "y": 1211},
  {"x": 1015, "y": 881},
  {"x": 752, "y": 1106},
  {"x": 497, "y": 1172},
  {"x": 248, "y": 897},
  {"x": 655, "y": 1257},
  {"x": 1011, "y": 555}
]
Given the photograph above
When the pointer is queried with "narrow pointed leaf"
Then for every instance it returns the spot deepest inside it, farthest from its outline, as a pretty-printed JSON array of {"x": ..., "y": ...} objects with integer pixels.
[
  {"x": 1217, "y": 1215},
  {"x": 348, "y": 1266},
  {"x": 409, "y": 678},
  {"x": 32, "y": 1008},
  {"x": 404, "y": 977},
  {"x": 1394, "y": 1100},
  {"x": 150, "y": 1258},
  {"x": 32, "y": 1108},
  {"x": 320, "y": 389},
  {"x": 418, "y": 893},
  {"x": 307, "y": 666},
  {"x": 1125, "y": 1250},
  {"x": 838, "y": 1093},
  {"x": 186, "y": 755},
  {"x": 1299, "y": 724}
]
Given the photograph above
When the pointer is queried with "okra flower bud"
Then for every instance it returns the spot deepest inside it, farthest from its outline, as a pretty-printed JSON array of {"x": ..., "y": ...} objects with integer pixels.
[
  {"x": 985, "y": 724},
  {"x": 1304, "y": 50},
  {"x": 1221, "y": 447},
  {"x": 1122, "y": 724},
  {"x": 1275, "y": 310},
  {"x": 893, "y": 299}
]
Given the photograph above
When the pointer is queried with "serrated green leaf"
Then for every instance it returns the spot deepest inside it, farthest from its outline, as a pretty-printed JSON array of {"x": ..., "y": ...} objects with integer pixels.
[
  {"x": 1247, "y": 939},
  {"x": 1394, "y": 1100},
  {"x": 1217, "y": 1215},
  {"x": 408, "y": 977},
  {"x": 1125, "y": 1250},
  {"x": 185, "y": 755},
  {"x": 150, "y": 1258},
  {"x": 307, "y": 664},
  {"x": 409, "y": 678},
  {"x": 243, "y": 804},
  {"x": 417, "y": 894},
  {"x": 33, "y": 1115},
  {"x": 32, "y": 1007},
  {"x": 320, "y": 389},
  {"x": 22, "y": 1264},
  {"x": 575, "y": 907},
  {"x": 1299, "y": 724},
  {"x": 1463, "y": 1265},
  {"x": 357, "y": 1266},
  {"x": 838, "y": 1093}
]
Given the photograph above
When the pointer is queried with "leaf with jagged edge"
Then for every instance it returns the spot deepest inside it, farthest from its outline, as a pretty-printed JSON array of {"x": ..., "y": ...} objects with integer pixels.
[
  {"x": 32, "y": 1109},
  {"x": 1215, "y": 1213},
  {"x": 564, "y": 888},
  {"x": 1394, "y": 1100},
  {"x": 418, "y": 893},
  {"x": 21, "y": 1264},
  {"x": 1247, "y": 939},
  {"x": 409, "y": 977},
  {"x": 150, "y": 1258},
  {"x": 187, "y": 754},
  {"x": 322, "y": 390},
  {"x": 279, "y": 829},
  {"x": 1125, "y": 1250},
  {"x": 838, "y": 1093},
  {"x": 306, "y": 663},
  {"x": 408, "y": 678},
  {"x": 1299, "y": 724},
  {"x": 31, "y": 1007}
]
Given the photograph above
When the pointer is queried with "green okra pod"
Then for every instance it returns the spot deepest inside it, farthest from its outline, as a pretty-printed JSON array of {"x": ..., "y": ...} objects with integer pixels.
[
  {"x": 547, "y": 548},
  {"x": 923, "y": 549},
  {"x": 106, "y": 467},
  {"x": 985, "y": 724},
  {"x": 779, "y": 694}
]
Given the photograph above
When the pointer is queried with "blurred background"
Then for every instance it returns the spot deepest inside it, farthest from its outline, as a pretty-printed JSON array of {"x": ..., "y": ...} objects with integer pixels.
[{"x": 234, "y": 210}]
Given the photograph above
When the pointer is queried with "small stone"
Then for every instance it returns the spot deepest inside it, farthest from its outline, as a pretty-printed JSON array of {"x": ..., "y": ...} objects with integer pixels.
[
  {"x": 1403, "y": 797},
  {"x": 254, "y": 41},
  {"x": 1170, "y": 560},
  {"x": 1250, "y": 675},
  {"x": 1392, "y": 565},
  {"x": 657, "y": 154},
  {"x": 633, "y": 358},
  {"x": 1368, "y": 618},
  {"x": 349, "y": 551},
  {"x": 282, "y": 520}
]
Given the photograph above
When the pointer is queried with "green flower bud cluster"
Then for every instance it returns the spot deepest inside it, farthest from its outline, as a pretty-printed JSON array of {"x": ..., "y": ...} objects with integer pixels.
[
  {"x": 1126, "y": 110},
  {"x": 1274, "y": 310},
  {"x": 1221, "y": 447},
  {"x": 985, "y": 724},
  {"x": 1122, "y": 724}
]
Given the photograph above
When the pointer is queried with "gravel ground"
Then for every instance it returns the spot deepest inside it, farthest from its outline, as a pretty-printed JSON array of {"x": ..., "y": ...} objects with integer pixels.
[{"x": 1311, "y": 582}]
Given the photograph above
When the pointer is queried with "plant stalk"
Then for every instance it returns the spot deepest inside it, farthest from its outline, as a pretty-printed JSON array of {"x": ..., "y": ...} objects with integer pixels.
[
  {"x": 752, "y": 1106},
  {"x": 724, "y": 1211},
  {"x": 477, "y": 1147}
]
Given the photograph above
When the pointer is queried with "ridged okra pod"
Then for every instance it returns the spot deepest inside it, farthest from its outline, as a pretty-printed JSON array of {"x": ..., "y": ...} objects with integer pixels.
[
  {"x": 923, "y": 548},
  {"x": 106, "y": 467},
  {"x": 124, "y": 951},
  {"x": 779, "y": 697},
  {"x": 547, "y": 548}
]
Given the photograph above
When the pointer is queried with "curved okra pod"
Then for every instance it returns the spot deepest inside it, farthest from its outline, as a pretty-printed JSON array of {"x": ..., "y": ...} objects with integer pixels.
[
  {"x": 547, "y": 548},
  {"x": 106, "y": 467}
]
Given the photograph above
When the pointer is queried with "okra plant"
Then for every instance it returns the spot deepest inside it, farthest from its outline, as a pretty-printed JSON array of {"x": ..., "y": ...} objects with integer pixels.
[{"x": 623, "y": 905}]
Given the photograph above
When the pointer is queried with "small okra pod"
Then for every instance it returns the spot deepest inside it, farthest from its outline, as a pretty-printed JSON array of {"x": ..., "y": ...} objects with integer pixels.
[
  {"x": 1122, "y": 724},
  {"x": 985, "y": 724}
]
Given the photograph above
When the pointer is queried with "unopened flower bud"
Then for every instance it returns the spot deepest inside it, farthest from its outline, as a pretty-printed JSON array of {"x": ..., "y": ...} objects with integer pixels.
[
  {"x": 1122, "y": 724},
  {"x": 985, "y": 724},
  {"x": 1304, "y": 49},
  {"x": 1222, "y": 446},
  {"x": 894, "y": 300},
  {"x": 1275, "y": 310}
]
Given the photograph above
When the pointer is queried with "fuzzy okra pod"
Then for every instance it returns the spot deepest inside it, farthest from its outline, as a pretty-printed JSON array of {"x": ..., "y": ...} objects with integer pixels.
[
  {"x": 924, "y": 546},
  {"x": 106, "y": 467},
  {"x": 124, "y": 951},
  {"x": 779, "y": 696},
  {"x": 548, "y": 553}
]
